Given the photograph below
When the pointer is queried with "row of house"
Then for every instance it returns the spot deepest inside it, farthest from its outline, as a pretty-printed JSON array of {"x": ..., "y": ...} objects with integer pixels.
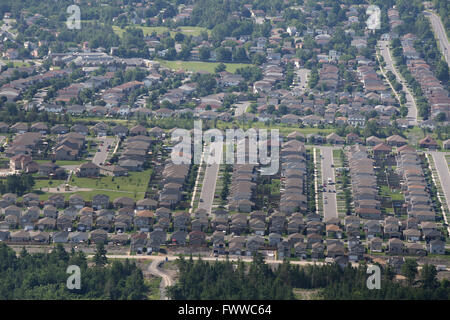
[
  {"x": 135, "y": 152},
  {"x": 436, "y": 94},
  {"x": 293, "y": 174},
  {"x": 417, "y": 197},
  {"x": 364, "y": 183}
]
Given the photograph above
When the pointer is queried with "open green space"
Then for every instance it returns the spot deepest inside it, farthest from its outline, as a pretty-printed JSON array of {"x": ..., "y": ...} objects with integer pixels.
[
  {"x": 134, "y": 186},
  {"x": 134, "y": 182},
  {"x": 395, "y": 195},
  {"x": 42, "y": 184},
  {"x": 283, "y": 129},
  {"x": 196, "y": 66},
  {"x": 64, "y": 162},
  {"x": 16, "y": 63},
  {"x": 186, "y": 30}
]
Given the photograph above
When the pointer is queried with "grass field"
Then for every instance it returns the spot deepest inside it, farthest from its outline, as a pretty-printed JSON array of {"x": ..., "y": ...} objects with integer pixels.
[
  {"x": 135, "y": 182},
  {"x": 47, "y": 183},
  {"x": 200, "y": 65},
  {"x": 283, "y": 129},
  {"x": 16, "y": 63},
  {"x": 186, "y": 30},
  {"x": 133, "y": 186}
]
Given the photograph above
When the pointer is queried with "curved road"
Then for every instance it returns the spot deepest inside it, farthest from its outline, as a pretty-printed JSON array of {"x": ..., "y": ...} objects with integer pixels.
[{"x": 410, "y": 102}]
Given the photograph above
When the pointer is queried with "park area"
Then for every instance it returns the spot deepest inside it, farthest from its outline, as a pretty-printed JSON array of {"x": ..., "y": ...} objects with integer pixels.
[{"x": 134, "y": 186}]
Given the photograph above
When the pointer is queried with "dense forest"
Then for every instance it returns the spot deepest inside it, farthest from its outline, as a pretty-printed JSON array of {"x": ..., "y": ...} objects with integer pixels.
[
  {"x": 43, "y": 276},
  {"x": 225, "y": 280},
  {"x": 201, "y": 280}
]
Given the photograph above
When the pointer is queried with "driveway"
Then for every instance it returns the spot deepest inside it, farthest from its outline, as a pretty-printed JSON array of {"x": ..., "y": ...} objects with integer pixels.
[{"x": 329, "y": 198}]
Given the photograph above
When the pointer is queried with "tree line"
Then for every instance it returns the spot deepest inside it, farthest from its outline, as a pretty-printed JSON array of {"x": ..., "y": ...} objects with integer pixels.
[
  {"x": 42, "y": 276},
  {"x": 223, "y": 280}
]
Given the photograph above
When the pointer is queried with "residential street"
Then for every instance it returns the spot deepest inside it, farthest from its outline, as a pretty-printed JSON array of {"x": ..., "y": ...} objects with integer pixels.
[
  {"x": 100, "y": 156},
  {"x": 410, "y": 102},
  {"x": 209, "y": 184},
  {"x": 329, "y": 198},
  {"x": 301, "y": 83},
  {"x": 241, "y": 108},
  {"x": 443, "y": 172},
  {"x": 439, "y": 31},
  {"x": 161, "y": 258}
]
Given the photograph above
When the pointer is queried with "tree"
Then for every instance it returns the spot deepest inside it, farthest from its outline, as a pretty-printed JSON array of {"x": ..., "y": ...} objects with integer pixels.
[
  {"x": 179, "y": 37},
  {"x": 100, "y": 255},
  {"x": 428, "y": 275},
  {"x": 409, "y": 270},
  {"x": 440, "y": 117},
  {"x": 205, "y": 53},
  {"x": 240, "y": 55},
  {"x": 223, "y": 54},
  {"x": 220, "y": 67}
]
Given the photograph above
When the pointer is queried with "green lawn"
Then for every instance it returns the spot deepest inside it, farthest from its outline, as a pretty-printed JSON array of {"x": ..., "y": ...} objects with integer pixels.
[
  {"x": 16, "y": 63},
  {"x": 134, "y": 182},
  {"x": 47, "y": 183},
  {"x": 200, "y": 65},
  {"x": 397, "y": 195},
  {"x": 133, "y": 186},
  {"x": 275, "y": 187},
  {"x": 64, "y": 162}
]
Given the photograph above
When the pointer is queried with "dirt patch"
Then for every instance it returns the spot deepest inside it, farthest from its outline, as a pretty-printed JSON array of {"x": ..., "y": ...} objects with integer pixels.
[{"x": 306, "y": 294}]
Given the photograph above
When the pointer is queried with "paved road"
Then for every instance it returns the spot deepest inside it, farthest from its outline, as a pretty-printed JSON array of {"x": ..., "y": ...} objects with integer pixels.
[
  {"x": 302, "y": 75},
  {"x": 209, "y": 181},
  {"x": 100, "y": 156},
  {"x": 439, "y": 31},
  {"x": 443, "y": 172},
  {"x": 329, "y": 198},
  {"x": 160, "y": 259},
  {"x": 194, "y": 194},
  {"x": 410, "y": 102},
  {"x": 167, "y": 280},
  {"x": 241, "y": 108}
]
